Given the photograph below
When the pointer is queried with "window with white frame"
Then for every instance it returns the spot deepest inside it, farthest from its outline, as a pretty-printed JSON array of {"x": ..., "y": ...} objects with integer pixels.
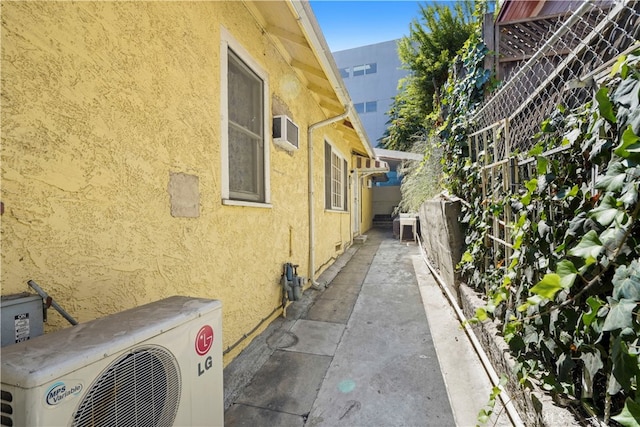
[
  {"x": 335, "y": 167},
  {"x": 245, "y": 152},
  {"x": 361, "y": 70},
  {"x": 366, "y": 107}
]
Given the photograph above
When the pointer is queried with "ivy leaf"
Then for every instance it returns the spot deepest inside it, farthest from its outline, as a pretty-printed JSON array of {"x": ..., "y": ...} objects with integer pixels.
[
  {"x": 511, "y": 330},
  {"x": 542, "y": 163},
  {"x": 547, "y": 126},
  {"x": 544, "y": 181},
  {"x": 627, "y": 98},
  {"x": 629, "y": 143},
  {"x": 614, "y": 178},
  {"x": 571, "y": 137},
  {"x": 627, "y": 94},
  {"x": 536, "y": 150},
  {"x": 543, "y": 228},
  {"x": 548, "y": 287},
  {"x": 622, "y": 59},
  {"x": 483, "y": 78},
  {"x": 629, "y": 194},
  {"x": 592, "y": 364},
  {"x": 534, "y": 300},
  {"x": 530, "y": 334},
  {"x": 614, "y": 387},
  {"x": 517, "y": 243},
  {"x": 590, "y": 246},
  {"x": 620, "y": 315},
  {"x": 626, "y": 282},
  {"x": 607, "y": 211},
  {"x": 576, "y": 225},
  {"x": 630, "y": 415},
  {"x": 567, "y": 272},
  {"x": 634, "y": 120},
  {"x": 531, "y": 185},
  {"x": 498, "y": 297},
  {"x": 594, "y": 305},
  {"x": 483, "y": 416},
  {"x": 613, "y": 238},
  {"x": 625, "y": 365},
  {"x": 564, "y": 367},
  {"x": 565, "y": 192},
  {"x": 588, "y": 262},
  {"x": 604, "y": 105},
  {"x": 481, "y": 314}
]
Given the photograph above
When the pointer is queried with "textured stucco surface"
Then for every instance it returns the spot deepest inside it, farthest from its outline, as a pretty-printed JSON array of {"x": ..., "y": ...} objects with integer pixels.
[
  {"x": 385, "y": 199},
  {"x": 366, "y": 207},
  {"x": 101, "y": 103}
]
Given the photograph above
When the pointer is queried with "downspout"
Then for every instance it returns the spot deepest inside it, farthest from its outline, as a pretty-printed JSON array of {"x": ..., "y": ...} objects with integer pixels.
[{"x": 312, "y": 231}]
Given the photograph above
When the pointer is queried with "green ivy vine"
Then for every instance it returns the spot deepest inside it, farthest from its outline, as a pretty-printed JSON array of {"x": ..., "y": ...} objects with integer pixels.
[{"x": 568, "y": 297}]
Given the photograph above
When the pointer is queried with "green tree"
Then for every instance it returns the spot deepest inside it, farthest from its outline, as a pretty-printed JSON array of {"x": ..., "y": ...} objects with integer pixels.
[{"x": 434, "y": 40}]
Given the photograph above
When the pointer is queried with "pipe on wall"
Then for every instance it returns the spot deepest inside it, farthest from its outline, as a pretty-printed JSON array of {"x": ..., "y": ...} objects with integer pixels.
[{"x": 312, "y": 233}]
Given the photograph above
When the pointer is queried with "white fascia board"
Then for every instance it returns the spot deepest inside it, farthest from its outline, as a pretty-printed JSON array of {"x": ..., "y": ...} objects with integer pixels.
[{"x": 312, "y": 32}]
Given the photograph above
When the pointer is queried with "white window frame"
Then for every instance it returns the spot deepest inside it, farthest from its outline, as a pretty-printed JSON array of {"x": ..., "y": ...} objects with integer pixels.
[
  {"x": 364, "y": 107},
  {"x": 228, "y": 42},
  {"x": 338, "y": 180},
  {"x": 364, "y": 69},
  {"x": 337, "y": 186}
]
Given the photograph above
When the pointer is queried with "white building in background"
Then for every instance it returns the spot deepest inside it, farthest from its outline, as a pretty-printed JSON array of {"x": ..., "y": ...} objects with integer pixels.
[{"x": 371, "y": 74}]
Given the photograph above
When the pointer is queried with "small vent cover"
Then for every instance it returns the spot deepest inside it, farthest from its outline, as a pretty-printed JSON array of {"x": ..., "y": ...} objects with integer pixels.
[{"x": 141, "y": 388}]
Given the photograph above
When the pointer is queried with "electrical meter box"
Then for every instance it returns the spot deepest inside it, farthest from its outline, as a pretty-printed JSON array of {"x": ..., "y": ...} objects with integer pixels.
[{"x": 22, "y": 317}]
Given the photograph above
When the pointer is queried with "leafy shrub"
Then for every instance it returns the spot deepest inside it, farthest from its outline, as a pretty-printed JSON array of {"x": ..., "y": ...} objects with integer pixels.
[{"x": 568, "y": 296}]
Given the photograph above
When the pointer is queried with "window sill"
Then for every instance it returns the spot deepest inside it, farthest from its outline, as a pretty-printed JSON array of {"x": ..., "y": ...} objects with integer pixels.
[
  {"x": 336, "y": 211},
  {"x": 229, "y": 202}
]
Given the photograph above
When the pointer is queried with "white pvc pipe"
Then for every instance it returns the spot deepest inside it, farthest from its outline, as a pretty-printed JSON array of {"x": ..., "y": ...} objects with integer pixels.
[
  {"x": 312, "y": 233},
  {"x": 486, "y": 363}
]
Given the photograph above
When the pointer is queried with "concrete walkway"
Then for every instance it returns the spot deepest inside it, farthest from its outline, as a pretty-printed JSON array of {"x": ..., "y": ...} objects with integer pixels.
[{"x": 361, "y": 352}]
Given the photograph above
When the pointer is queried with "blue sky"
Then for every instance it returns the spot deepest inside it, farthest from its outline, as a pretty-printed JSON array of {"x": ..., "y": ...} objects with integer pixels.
[{"x": 349, "y": 24}]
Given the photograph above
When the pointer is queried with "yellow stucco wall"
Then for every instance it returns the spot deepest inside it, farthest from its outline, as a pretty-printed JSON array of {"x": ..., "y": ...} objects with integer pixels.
[
  {"x": 101, "y": 102},
  {"x": 367, "y": 207}
]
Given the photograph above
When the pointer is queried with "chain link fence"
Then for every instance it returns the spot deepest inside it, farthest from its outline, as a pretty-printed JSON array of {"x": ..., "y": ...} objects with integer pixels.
[{"x": 544, "y": 62}]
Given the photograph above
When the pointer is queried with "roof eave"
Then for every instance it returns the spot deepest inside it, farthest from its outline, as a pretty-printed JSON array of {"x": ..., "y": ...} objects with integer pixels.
[{"x": 318, "y": 44}]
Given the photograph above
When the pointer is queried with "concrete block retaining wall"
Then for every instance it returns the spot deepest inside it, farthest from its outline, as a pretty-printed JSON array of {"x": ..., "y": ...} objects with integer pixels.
[
  {"x": 442, "y": 238},
  {"x": 536, "y": 408},
  {"x": 443, "y": 242}
]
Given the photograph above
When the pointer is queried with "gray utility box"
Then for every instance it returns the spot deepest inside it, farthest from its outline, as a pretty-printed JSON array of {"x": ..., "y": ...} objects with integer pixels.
[{"x": 22, "y": 317}]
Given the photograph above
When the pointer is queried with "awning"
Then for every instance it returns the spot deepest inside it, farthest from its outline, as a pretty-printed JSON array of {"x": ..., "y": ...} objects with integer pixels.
[{"x": 371, "y": 166}]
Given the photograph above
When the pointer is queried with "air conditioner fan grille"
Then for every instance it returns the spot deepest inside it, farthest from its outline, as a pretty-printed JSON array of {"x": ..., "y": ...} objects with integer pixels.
[
  {"x": 141, "y": 388},
  {"x": 6, "y": 410}
]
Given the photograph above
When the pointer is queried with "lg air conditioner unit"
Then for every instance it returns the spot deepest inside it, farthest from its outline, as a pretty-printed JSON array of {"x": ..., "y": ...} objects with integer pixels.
[
  {"x": 155, "y": 365},
  {"x": 285, "y": 133}
]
